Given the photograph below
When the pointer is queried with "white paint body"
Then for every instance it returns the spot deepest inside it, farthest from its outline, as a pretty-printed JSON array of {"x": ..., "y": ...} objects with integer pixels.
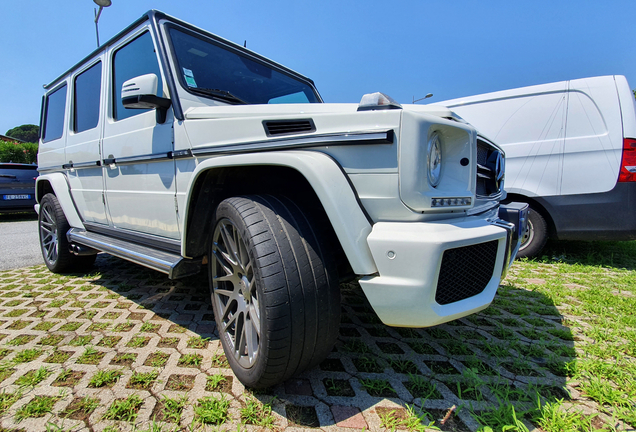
[{"x": 151, "y": 197}]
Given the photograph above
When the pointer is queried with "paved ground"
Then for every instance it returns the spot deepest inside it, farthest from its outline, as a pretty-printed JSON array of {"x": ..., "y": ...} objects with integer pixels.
[
  {"x": 19, "y": 242},
  {"x": 60, "y": 334}
]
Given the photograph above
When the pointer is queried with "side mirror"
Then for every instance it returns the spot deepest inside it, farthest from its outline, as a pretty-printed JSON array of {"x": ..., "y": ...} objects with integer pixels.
[{"x": 141, "y": 93}]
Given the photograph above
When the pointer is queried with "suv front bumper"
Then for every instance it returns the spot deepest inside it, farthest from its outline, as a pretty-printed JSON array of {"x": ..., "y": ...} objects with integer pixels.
[{"x": 434, "y": 272}]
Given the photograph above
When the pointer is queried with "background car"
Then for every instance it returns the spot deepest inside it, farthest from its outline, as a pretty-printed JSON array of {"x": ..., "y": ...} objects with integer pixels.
[{"x": 17, "y": 187}]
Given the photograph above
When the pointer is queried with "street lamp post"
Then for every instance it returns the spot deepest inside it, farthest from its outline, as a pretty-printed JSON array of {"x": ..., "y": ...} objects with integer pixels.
[{"x": 102, "y": 4}]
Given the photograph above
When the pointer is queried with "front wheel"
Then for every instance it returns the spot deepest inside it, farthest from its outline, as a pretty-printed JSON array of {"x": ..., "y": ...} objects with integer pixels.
[{"x": 274, "y": 289}]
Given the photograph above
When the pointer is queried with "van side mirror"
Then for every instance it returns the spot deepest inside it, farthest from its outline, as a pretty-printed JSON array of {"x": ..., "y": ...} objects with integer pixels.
[{"x": 141, "y": 93}]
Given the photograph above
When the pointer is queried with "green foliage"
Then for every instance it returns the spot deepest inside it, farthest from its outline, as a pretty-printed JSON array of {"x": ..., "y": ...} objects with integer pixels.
[
  {"x": 27, "y": 133},
  {"x": 18, "y": 152}
]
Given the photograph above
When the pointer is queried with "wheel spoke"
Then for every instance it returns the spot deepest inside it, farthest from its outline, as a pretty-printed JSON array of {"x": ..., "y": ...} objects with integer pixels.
[
  {"x": 229, "y": 244},
  {"x": 234, "y": 294},
  {"x": 255, "y": 319}
]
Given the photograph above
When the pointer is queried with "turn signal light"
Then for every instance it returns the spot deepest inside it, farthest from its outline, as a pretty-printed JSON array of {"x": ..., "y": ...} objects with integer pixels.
[{"x": 628, "y": 162}]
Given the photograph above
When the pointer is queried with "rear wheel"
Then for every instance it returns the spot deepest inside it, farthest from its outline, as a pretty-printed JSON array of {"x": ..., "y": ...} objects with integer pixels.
[
  {"x": 274, "y": 289},
  {"x": 535, "y": 237},
  {"x": 53, "y": 227}
]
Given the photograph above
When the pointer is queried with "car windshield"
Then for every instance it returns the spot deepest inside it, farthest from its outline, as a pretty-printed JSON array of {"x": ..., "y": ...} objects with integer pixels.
[{"x": 208, "y": 69}]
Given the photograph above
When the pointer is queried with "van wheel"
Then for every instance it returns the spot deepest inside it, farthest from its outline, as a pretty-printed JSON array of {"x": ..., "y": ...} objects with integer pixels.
[
  {"x": 274, "y": 289},
  {"x": 53, "y": 227},
  {"x": 535, "y": 237}
]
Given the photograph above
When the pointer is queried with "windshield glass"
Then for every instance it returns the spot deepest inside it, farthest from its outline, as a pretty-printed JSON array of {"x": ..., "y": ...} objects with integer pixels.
[{"x": 208, "y": 69}]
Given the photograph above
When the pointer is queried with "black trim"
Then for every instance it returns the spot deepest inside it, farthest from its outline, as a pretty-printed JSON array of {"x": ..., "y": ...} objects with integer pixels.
[
  {"x": 288, "y": 127},
  {"x": 354, "y": 138},
  {"x": 148, "y": 240},
  {"x": 599, "y": 216},
  {"x": 155, "y": 16},
  {"x": 91, "y": 164}
]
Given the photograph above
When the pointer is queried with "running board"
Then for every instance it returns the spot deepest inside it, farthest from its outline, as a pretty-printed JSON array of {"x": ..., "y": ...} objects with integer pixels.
[{"x": 174, "y": 265}]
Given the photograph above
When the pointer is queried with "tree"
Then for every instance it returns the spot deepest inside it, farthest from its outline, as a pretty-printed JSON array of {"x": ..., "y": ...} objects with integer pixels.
[{"x": 26, "y": 133}]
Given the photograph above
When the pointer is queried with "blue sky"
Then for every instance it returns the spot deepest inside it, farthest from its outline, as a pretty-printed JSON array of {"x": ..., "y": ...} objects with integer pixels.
[{"x": 403, "y": 48}]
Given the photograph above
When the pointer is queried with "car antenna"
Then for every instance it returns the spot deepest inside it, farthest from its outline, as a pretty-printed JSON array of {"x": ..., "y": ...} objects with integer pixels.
[
  {"x": 425, "y": 97},
  {"x": 245, "y": 44}
]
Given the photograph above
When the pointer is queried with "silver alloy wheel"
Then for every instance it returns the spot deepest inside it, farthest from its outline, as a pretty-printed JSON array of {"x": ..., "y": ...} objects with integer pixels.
[
  {"x": 48, "y": 233},
  {"x": 527, "y": 237},
  {"x": 235, "y": 295}
]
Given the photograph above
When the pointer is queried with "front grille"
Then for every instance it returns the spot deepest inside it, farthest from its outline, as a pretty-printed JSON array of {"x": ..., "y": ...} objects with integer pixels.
[
  {"x": 287, "y": 127},
  {"x": 489, "y": 169},
  {"x": 465, "y": 272}
]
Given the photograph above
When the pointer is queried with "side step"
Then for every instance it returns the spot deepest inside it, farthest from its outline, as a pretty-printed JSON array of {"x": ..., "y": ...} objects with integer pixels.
[{"x": 174, "y": 265}]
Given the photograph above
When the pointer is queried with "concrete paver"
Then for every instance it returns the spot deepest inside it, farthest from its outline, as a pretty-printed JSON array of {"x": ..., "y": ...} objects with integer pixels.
[{"x": 124, "y": 319}]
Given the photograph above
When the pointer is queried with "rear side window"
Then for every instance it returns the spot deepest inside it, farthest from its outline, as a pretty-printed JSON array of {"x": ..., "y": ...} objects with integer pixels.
[
  {"x": 54, "y": 115},
  {"x": 132, "y": 60},
  {"x": 86, "y": 93}
]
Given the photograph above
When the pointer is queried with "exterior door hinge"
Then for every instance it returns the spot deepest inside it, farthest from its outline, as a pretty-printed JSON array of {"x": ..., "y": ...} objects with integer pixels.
[
  {"x": 176, "y": 205},
  {"x": 103, "y": 198}
]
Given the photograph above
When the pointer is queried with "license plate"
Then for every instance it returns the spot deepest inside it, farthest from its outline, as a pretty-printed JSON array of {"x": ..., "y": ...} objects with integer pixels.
[{"x": 16, "y": 197}]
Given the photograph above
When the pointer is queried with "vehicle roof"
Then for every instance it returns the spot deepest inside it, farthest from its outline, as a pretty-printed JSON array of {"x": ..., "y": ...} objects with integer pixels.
[{"x": 152, "y": 15}]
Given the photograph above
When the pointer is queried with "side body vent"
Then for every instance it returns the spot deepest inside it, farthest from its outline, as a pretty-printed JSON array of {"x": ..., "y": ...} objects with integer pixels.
[{"x": 288, "y": 127}]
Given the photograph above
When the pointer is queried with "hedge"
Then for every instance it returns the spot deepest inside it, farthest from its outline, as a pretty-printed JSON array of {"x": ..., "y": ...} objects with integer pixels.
[{"x": 18, "y": 152}]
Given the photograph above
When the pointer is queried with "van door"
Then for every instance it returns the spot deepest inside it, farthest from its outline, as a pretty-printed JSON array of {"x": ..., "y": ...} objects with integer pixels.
[
  {"x": 138, "y": 173},
  {"x": 529, "y": 124},
  {"x": 594, "y": 137},
  {"x": 83, "y": 153}
]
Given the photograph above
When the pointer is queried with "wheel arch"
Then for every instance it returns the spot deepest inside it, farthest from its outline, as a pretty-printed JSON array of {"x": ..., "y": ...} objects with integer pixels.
[
  {"x": 57, "y": 184},
  {"x": 307, "y": 173}
]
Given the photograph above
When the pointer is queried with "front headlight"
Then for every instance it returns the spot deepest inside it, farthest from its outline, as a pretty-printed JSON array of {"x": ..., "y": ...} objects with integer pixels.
[{"x": 434, "y": 159}]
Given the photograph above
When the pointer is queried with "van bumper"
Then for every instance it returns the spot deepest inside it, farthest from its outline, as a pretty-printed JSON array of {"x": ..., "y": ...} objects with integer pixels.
[{"x": 434, "y": 272}]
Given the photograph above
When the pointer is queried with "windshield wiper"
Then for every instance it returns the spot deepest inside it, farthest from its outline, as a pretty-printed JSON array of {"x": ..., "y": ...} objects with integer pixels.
[{"x": 222, "y": 94}]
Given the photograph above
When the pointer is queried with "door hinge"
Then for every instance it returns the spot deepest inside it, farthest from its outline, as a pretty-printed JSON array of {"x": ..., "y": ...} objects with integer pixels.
[
  {"x": 103, "y": 198},
  {"x": 176, "y": 205}
]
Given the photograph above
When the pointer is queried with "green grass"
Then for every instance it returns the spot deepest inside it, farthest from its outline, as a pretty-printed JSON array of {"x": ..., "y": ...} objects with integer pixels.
[
  {"x": 39, "y": 406},
  {"x": 211, "y": 410},
  {"x": 124, "y": 409},
  {"x": 190, "y": 360},
  {"x": 105, "y": 377},
  {"x": 257, "y": 413},
  {"x": 33, "y": 377},
  {"x": 27, "y": 355},
  {"x": 173, "y": 408}
]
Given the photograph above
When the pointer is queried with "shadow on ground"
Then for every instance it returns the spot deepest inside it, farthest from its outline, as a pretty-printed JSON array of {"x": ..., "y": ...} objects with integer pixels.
[{"x": 513, "y": 353}]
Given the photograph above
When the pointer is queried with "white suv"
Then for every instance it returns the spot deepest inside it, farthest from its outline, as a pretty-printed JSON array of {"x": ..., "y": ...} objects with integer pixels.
[{"x": 176, "y": 149}]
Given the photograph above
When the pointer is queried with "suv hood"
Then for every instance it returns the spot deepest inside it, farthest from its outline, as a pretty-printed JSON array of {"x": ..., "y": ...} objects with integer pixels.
[{"x": 234, "y": 111}]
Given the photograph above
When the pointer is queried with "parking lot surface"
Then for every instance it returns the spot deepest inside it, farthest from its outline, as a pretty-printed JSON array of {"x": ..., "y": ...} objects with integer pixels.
[{"x": 123, "y": 347}]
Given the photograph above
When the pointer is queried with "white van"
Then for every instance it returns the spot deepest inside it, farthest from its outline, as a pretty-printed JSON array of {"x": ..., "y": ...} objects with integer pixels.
[{"x": 570, "y": 154}]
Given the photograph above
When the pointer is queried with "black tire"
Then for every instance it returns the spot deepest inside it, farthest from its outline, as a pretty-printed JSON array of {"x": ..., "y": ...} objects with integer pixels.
[
  {"x": 535, "y": 237},
  {"x": 53, "y": 226},
  {"x": 280, "y": 279}
]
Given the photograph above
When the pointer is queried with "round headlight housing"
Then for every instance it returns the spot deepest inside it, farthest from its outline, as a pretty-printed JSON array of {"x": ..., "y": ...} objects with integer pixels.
[{"x": 434, "y": 161}]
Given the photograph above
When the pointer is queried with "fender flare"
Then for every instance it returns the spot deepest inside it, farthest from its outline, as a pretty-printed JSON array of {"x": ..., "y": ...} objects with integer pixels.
[
  {"x": 330, "y": 185},
  {"x": 59, "y": 184}
]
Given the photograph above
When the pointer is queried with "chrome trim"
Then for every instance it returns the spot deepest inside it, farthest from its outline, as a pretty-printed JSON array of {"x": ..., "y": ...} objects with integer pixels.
[
  {"x": 144, "y": 239},
  {"x": 154, "y": 157},
  {"x": 173, "y": 265},
  {"x": 361, "y": 137}
]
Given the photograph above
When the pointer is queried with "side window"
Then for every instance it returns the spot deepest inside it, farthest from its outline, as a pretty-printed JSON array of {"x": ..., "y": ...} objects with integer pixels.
[
  {"x": 134, "y": 59},
  {"x": 87, "y": 89},
  {"x": 54, "y": 115}
]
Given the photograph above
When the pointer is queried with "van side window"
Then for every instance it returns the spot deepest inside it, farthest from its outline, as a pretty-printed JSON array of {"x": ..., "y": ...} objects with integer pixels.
[
  {"x": 54, "y": 120},
  {"x": 87, "y": 89},
  {"x": 132, "y": 60}
]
